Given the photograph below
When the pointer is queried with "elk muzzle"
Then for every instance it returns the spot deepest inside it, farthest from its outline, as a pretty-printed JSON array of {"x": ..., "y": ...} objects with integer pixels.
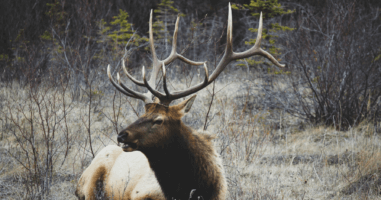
[{"x": 128, "y": 145}]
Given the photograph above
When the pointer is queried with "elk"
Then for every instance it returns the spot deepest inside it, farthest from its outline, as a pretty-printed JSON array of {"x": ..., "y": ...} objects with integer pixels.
[{"x": 182, "y": 159}]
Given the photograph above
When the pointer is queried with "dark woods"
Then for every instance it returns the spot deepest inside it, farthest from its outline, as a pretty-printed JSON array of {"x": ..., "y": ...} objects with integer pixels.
[{"x": 332, "y": 50}]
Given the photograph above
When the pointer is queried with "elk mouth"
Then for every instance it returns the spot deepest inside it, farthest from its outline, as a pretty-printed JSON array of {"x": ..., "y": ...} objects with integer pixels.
[{"x": 129, "y": 146}]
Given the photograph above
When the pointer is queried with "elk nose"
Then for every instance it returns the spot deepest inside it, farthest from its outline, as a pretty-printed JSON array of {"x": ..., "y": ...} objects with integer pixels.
[{"x": 122, "y": 136}]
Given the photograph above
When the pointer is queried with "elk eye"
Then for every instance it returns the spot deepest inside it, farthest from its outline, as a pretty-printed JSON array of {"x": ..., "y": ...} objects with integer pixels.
[{"x": 158, "y": 121}]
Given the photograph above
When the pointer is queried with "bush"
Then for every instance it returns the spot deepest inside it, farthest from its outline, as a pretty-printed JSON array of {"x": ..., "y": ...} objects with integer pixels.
[{"x": 334, "y": 55}]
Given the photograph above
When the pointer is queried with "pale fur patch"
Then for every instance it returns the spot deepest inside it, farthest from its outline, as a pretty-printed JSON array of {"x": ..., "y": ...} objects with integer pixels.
[{"x": 126, "y": 175}]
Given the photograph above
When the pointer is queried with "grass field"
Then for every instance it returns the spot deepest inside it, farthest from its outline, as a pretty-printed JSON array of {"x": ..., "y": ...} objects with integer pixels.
[{"x": 45, "y": 143}]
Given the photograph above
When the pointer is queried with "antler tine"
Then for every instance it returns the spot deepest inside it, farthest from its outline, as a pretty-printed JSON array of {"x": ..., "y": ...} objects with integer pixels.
[
  {"x": 174, "y": 53},
  {"x": 256, "y": 49},
  {"x": 130, "y": 77},
  {"x": 136, "y": 94},
  {"x": 191, "y": 90},
  {"x": 259, "y": 33},
  {"x": 124, "y": 89},
  {"x": 229, "y": 33},
  {"x": 148, "y": 86},
  {"x": 165, "y": 82},
  {"x": 156, "y": 61},
  {"x": 172, "y": 56},
  {"x": 226, "y": 58}
]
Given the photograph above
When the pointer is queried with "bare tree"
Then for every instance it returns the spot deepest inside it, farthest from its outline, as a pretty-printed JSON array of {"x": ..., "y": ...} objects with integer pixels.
[{"x": 335, "y": 56}]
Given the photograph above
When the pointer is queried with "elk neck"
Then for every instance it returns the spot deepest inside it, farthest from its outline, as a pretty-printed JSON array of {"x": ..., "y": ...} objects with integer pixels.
[{"x": 185, "y": 163}]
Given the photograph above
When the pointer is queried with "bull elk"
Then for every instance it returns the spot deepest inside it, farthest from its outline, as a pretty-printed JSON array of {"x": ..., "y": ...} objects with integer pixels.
[{"x": 174, "y": 158}]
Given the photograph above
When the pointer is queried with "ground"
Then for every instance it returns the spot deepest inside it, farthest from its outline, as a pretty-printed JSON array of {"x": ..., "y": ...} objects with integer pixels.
[{"x": 267, "y": 153}]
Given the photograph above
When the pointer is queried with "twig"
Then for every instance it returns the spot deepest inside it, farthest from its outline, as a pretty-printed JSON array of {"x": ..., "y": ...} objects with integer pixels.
[
  {"x": 210, "y": 106},
  {"x": 321, "y": 182}
]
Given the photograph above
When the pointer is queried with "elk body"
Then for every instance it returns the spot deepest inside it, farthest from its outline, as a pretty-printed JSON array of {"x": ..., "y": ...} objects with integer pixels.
[
  {"x": 119, "y": 175},
  {"x": 183, "y": 161}
]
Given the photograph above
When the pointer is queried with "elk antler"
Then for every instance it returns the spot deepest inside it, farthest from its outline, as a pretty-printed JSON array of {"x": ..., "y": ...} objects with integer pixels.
[
  {"x": 151, "y": 84},
  {"x": 166, "y": 98}
]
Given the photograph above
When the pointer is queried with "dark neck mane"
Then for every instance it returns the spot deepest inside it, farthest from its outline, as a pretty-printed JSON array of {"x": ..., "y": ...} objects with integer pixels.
[{"x": 188, "y": 162}]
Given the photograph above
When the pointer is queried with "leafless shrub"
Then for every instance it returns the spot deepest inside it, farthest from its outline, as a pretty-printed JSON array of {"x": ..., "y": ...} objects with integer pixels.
[
  {"x": 37, "y": 134},
  {"x": 334, "y": 58}
]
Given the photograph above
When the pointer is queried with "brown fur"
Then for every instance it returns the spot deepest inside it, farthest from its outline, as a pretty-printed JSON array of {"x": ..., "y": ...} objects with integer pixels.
[
  {"x": 114, "y": 174},
  {"x": 181, "y": 158}
]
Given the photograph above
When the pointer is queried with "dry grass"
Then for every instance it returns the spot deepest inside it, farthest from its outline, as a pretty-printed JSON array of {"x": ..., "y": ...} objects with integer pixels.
[{"x": 267, "y": 154}]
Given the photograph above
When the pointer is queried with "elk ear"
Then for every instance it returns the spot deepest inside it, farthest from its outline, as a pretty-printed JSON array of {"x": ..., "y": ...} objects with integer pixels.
[
  {"x": 186, "y": 105},
  {"x": 149, "y": 107}
]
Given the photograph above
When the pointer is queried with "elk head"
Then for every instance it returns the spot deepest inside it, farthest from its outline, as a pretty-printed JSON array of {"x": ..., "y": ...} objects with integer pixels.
[{"x": 153, "y": 129}]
